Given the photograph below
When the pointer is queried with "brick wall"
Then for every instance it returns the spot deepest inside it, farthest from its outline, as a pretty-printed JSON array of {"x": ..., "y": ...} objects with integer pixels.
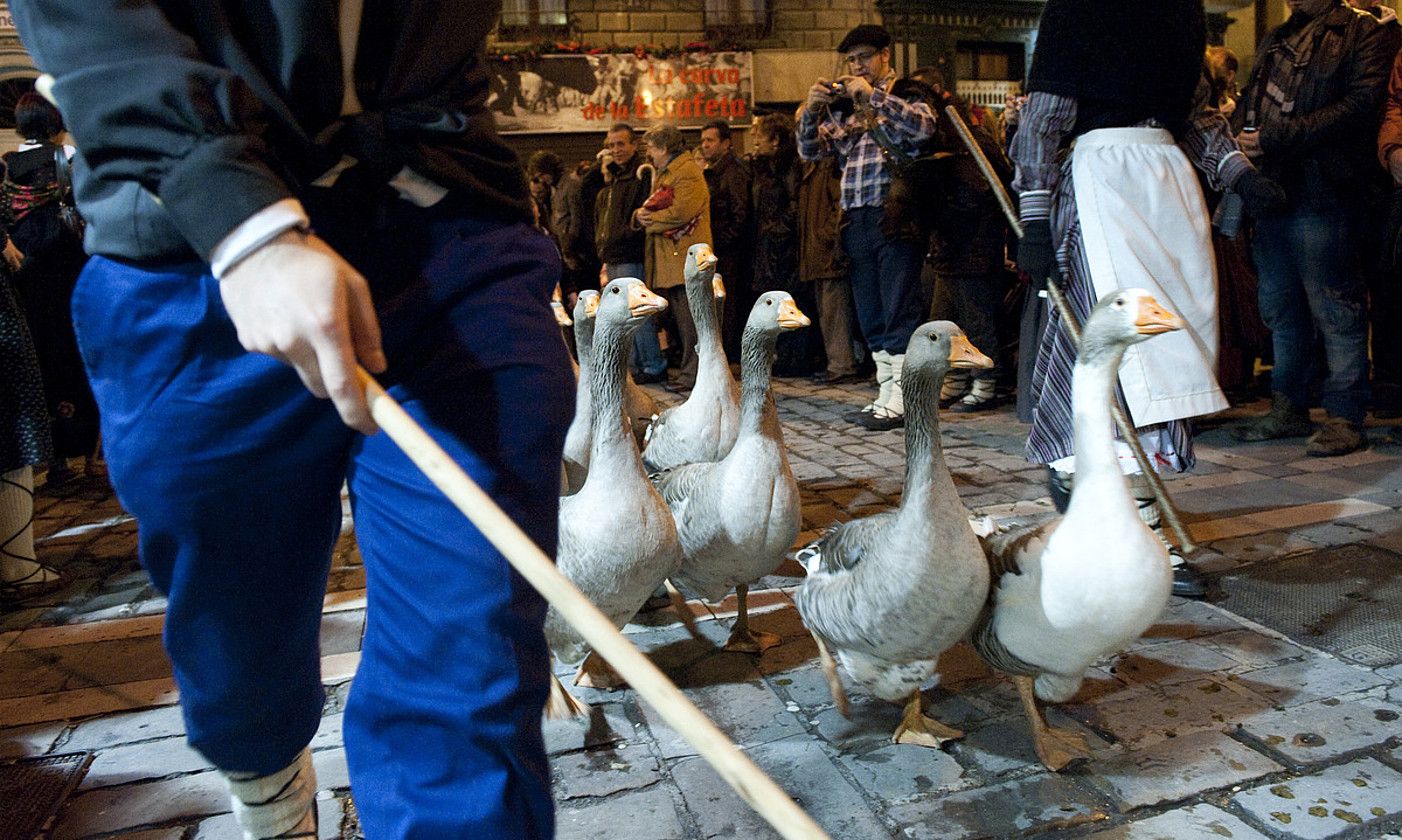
[{"x": 798, "y": 24}]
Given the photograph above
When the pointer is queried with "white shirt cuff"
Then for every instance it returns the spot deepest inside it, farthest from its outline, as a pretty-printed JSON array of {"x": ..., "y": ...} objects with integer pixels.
[{"x": 256, "y": 231}]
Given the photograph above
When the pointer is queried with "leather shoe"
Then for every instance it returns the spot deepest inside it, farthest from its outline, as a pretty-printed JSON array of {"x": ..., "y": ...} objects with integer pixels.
[{"x": 1189, "y": 582}]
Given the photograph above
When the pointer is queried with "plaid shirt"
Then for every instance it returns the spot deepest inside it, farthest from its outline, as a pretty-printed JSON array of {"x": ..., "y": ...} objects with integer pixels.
[{"x": 865, "y": 179}]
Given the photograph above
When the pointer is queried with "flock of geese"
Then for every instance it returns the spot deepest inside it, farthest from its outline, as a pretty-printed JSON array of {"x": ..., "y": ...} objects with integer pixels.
[{"x": 701, "y": 494}]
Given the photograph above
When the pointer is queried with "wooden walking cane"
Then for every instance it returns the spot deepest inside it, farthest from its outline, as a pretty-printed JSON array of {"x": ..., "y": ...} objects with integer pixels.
[
  {"x": 736, "y": 768},
  {"x": 1073, "y": 329}
]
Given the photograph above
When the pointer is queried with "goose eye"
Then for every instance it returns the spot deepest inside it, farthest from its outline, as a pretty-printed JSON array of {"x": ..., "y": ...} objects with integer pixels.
[
  {"x": 768, "y": 302},
  {"x": 1119, "y": 301},
  {"x": 934, "y": 337},
  {"x": 615, "y": 290}
]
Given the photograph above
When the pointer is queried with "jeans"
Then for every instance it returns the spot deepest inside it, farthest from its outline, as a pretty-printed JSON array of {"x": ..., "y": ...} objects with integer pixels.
[
  {"x": 885, "y": 275},
  {"x": 647, "y": 352},
  {"x": 1310, "y": 278},
  {"x": 235, "y": 470}
]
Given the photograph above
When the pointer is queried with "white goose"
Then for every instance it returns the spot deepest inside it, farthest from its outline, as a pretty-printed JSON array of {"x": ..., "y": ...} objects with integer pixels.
[
  {"x": 576, "y": 456},
  {"x": 736, "y": 517},
  {"x": 890, "y": 592},
  {"x": 704, "y": 427},
  {"x": 618, "y": 542},
  {"x": 1086, "y": 584}
]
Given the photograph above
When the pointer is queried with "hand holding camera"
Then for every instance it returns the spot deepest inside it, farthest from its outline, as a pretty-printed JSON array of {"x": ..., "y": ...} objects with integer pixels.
[
  {"x": 821, "y": 95},
  {"x": 857, "y": 88}
]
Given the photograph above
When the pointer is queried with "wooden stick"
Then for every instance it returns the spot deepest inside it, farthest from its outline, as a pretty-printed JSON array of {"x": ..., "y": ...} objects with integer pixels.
[
  {"x": 734, "y": 766},
  {"x": 1073, "y": 329}
]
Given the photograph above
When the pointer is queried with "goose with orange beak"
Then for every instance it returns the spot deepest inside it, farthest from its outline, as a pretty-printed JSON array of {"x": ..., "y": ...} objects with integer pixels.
[
  {"x": 738, "y": 516},
  {"x": 618, "y": 542},
  {"x": 889, "y": 593},
  {"x": 1084, "y": 585}
]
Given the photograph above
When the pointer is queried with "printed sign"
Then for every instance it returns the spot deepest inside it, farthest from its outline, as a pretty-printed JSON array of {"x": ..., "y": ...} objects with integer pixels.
[{"x": 591, "y": 92}]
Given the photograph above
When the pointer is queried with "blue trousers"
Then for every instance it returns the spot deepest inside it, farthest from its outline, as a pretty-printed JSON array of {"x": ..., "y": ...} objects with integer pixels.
[
  {"x": 1310, "y": 278},
  {"x": 233, "y": 471},
  {"x": 885, "y": 275}
]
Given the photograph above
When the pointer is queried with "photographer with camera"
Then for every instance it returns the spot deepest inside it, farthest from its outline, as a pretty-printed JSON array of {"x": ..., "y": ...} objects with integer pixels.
[{"x": 855, "y": 119}]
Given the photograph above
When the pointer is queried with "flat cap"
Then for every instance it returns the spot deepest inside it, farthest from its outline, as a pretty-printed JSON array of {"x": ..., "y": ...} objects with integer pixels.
[{"x": 866, "y": 35}]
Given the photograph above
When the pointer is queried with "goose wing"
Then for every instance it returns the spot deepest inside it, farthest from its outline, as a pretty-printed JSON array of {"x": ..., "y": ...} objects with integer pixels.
[{"x": 842, "y": 546}]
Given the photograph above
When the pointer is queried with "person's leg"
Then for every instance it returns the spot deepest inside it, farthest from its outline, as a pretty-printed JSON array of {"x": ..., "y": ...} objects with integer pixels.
[
  {"x": 443, "y": 723},
  {"x": 1338, "y": 302},
  {"x": 861, "y": 239},
  {"x": 834, "y": 304},
  {"x": 1285, "y": 311},
  {"x": 902, "y": 306},
  {"x": 233, "y": 470},
  {"x": 980, "y": 297},
  {"x": 680, "y": 308},
  {"x": 944, "y": 306}
]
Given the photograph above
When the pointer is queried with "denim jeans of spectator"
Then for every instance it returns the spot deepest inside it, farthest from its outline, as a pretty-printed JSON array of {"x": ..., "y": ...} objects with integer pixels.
[
  {"x": 885, "y": 275},
  {"x": 1310, "y": 279},
  {"x": 647, "y": 352}
]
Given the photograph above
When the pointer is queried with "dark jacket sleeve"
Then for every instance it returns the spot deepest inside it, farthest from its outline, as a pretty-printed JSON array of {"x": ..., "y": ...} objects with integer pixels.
[
  {"x": 144, "y": 106},
  {"x": 1390, "y": 135},
  {"x": 1356, "y": 110}
]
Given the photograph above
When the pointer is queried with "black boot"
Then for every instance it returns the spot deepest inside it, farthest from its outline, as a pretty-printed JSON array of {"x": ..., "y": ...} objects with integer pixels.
[{"x": 1187, "y": 581}]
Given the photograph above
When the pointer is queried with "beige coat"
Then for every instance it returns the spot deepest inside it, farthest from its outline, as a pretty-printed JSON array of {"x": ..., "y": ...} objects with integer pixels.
[{"x": 665, "y": 257}]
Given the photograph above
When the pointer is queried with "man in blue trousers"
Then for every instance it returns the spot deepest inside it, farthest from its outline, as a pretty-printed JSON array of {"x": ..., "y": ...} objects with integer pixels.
[{"x": 276, "y": 193}]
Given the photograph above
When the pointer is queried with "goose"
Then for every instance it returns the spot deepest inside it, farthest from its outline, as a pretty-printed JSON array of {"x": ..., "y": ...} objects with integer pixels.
[
  {"x": 704, "y": 427},
  {"x": 576, "y": 458},
  {"x": 736, "y": 517},
  {"x": 618, "y": 541},
  {"x": 890, "y": 592},
  {"x": 1082, "y": 586}
]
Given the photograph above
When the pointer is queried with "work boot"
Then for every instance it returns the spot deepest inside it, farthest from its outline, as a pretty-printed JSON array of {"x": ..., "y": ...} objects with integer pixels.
[
  {"x": 1336, "y": 436},
  {"x": 956, "y": 385},
  {"x": 1284, "y": 420},
  {"x": 980, "y": 397},
  {"x": 883, "y": 382},
  {"x": 891, "y": 414}
]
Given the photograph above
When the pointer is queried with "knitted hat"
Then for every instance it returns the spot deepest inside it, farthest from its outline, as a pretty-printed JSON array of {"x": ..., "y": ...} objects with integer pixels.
[{"x": 866, "y": 35}]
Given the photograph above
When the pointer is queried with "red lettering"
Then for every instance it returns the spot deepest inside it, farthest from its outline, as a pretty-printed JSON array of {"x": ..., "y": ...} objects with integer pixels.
[{"x": 712, "y": 106}]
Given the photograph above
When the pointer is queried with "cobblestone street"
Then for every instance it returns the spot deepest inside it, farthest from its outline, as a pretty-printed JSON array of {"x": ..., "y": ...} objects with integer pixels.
[{"x": 1270, "y": 711}]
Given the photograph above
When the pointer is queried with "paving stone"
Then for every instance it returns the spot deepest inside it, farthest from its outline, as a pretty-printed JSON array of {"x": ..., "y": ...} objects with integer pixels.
[
  {"x": 647, "y": 814},
  {"x": 1013, "y": 808},
  {"x": 728, "y": 689},
  {"x": 184, "y": 798},
  {"x": 23, "y": 741},
  {"x": 1170, "y": 663},
  {"x": 1319, "y": 731},
  {"x": 798, "y": 768},
  {"x": 897, "y": 773},
  {"x": 1178, "y": 769},
  {"x": 605, "y": 771},
  {"x": 1330, "y": 803},
  {"x": 153, "y": 834},
  {"x": 126, "y": 728},
  {"x": 1002, "y": 747},
  {"x": 1314, "y": 678},
  {"x": 1157, "y": 713},
  {"x": 331, "y": 770},
  {"x": 1255, "y": 650},
  {"x": 142, "y": 762},
  {"x": 607, "y": 723},
  {"x": 1193, "y": 821},
  {"x": 341, "y": 632}
]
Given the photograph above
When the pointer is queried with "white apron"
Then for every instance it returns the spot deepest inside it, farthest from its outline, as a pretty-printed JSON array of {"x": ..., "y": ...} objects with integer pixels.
[{"x": 1145, "y": 226}]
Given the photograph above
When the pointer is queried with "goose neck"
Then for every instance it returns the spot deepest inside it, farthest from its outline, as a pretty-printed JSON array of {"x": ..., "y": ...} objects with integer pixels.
[
  {"x": 700, "y": 297},
  {"x": 1092, "y": 389},
  {"x": 757, "y": 349},
  {"x": 611, "y": 440},
  {"x": 927, "y": 478}
]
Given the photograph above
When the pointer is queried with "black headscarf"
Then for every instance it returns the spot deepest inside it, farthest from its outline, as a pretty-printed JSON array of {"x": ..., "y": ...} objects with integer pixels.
[{"x": 1125, "y": 60}]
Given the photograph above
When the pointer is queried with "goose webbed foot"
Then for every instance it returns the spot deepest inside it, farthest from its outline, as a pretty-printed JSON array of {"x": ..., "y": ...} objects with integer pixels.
[
  {"x": 594, "y": 672},
  {"x": 839, "y": 694},
  {"x": 1056, "y": 747},
  {"x": 745, "y": 639},
  {"x": 562, "y": 705},
  {"x": 916, "y": 728}
]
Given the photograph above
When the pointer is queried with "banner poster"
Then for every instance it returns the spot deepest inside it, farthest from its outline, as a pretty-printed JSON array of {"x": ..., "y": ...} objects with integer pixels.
[{"x": 591, "y": 92}]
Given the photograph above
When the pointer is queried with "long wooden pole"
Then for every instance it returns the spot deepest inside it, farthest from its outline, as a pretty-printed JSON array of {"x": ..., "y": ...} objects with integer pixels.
[
  {"x": 736, "y": 768},
  {"x": 1073, "y": 329}
]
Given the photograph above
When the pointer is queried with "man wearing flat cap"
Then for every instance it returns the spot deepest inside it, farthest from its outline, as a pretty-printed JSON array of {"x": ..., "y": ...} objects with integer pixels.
[{"x": 856, "y": 119}]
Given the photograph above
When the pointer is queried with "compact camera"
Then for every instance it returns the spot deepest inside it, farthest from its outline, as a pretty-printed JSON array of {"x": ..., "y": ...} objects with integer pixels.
[{"x": 837, "y": 88}]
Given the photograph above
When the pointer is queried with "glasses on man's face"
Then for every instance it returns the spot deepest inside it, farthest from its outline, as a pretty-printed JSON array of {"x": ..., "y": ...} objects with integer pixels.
[{"x": 861, "y": 57}]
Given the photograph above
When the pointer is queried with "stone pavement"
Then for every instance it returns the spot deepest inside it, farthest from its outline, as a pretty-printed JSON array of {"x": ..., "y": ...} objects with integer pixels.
[{"x": 1212, "y": 725}]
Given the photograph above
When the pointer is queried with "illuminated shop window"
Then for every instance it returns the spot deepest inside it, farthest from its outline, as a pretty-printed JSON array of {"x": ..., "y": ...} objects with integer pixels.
[{"x": 533, "y": 18}]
